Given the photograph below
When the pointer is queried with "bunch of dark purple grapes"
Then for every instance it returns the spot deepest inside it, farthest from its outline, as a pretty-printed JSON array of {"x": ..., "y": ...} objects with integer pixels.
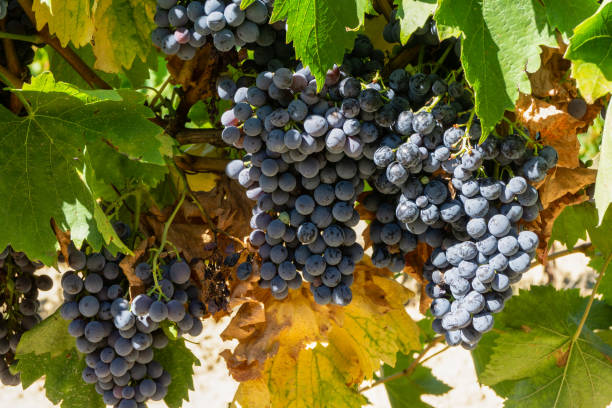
[
  {"x": 19, "y": 290},
  {"x": 465, "y": 200},
  {"x": 119, "y": 337},
  {"x": 185, "y": 26},
  {"x": 304, "y": 167},
  {"x": 485, "y": 248}
]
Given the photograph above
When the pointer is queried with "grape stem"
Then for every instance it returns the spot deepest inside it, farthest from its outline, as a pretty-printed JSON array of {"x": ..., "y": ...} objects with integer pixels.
[
  {"x": 438, "y": 64},
  {"x": 19, "y": 95},
  {"x": 410, "y": 369},
  {"x": 121, "y": 199},
  {"x": 35, "y": 39},
  {"x": 136, "y": 218},
  {"x": 434, "y": 102},
  {"x": 162, "y": 244},
  {"x": 585, "y": 315},
  {"x": 521, "y": 133},
  {"x": 420, "y": 60},
  {"x": 591, "y": 299}
]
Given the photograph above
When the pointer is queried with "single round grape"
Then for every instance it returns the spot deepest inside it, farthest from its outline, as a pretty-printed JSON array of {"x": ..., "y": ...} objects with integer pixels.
[
  {"x": 180, "y": 272},
  {"x": 224, "y": 40}
]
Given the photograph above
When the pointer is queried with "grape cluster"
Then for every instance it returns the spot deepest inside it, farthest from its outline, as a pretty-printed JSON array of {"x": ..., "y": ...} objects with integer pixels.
[
  {"x": 308, "y": 154},
  {"x": 16, "y": 21},
  {"x": 185, "y": 26},
  {"x": 119, "y": 338},
  {"x": 18, "y": 305},
  {"x": 471, "y": 270},
  {"x": 463, "y": 199}
]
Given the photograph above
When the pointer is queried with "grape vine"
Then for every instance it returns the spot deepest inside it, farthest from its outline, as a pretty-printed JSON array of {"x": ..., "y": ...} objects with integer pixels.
[{"x": 374, "y": 180}]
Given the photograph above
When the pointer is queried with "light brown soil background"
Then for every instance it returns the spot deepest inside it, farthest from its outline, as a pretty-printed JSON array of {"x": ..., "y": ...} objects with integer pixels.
[{"x": 215, "y": 389}]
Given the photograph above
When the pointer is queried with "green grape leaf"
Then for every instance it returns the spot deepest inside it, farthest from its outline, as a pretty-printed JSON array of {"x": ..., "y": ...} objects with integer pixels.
[
  {"x": 592, "y": 41},
  {"x": 123, "y": 30},
  {"x": 590, "y": 80},
  {"x": 179, "y": 361},
  {"x": 567, "y": 14},
  {"x": 603, "y": 184},
  {"x": 139, "y": 73},
  {"x": 605, "y": 287},
  {"x": 576, "y": 221},
  {"x": 501, "y": 43},
  {"x": 321, "y": 31},
  {"x": 119, "y": 117},
  {"x": 45, "y": 171},
  {"x": 48, "y": 350},
  {"x": 413, "y": 14},
  {"x": 364, "y": 7},
  {"x": 406, "y": 392},
  {"x": 48, "y": 337},
  {"x": 69, "y": 20},
  {"x": 246, "y": 3},
  {"x": 531, "y": 361},
  {"x": 600, "y": 236},
  {"x": 121, "y": 172},
  {"x": 64, "y": 384},
  {"x": 572, "y": 224}
]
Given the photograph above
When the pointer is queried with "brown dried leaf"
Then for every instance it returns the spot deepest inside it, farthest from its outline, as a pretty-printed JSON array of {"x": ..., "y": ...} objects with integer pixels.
[
  {"x": 63, "y": 238},
  {"x": 544, "y": 223},
  {"x": 246, "y": 320},
  {"x": 127, "y": 266},
  {"x": 415, "y": 261},
  {"x": 424, "y": 301},
  {"x": 562, "y": 181},
  {"x": 557, "y": 128},
  {"x": 364, "y": 214},
  {"x": 275, "y": 333},
  {"x": 548, "y": 82},
  {"x": 196, "y": 75}
]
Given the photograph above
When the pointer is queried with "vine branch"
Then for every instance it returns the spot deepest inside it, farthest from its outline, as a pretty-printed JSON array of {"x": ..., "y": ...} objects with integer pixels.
[
  {"x": 19, "y": 96},
  {"x": 403, "y": 58},
  {"x": 385, "y": 8},
  {"x": 410, "y": 369},
  {"x": 9, "y": 78},
  {"x": 192, "y": 136},
  {"x": 201, "y": 164},
  {"x": 578, "y": 249}
]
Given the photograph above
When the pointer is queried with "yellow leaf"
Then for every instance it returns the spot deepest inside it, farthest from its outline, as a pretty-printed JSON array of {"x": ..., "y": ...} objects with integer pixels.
[
  {"x": 202, "y": 181},
  {"x": 590, "y": 80},
  {"x": 315, "y": 378},
  {"x": 252, "y": 394},
  {"x": 122, "y": 33},
  {"x": 307, "y": 355},
  {"x": 69, "y": 20},
  {"x": 376, "y": 323}
]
